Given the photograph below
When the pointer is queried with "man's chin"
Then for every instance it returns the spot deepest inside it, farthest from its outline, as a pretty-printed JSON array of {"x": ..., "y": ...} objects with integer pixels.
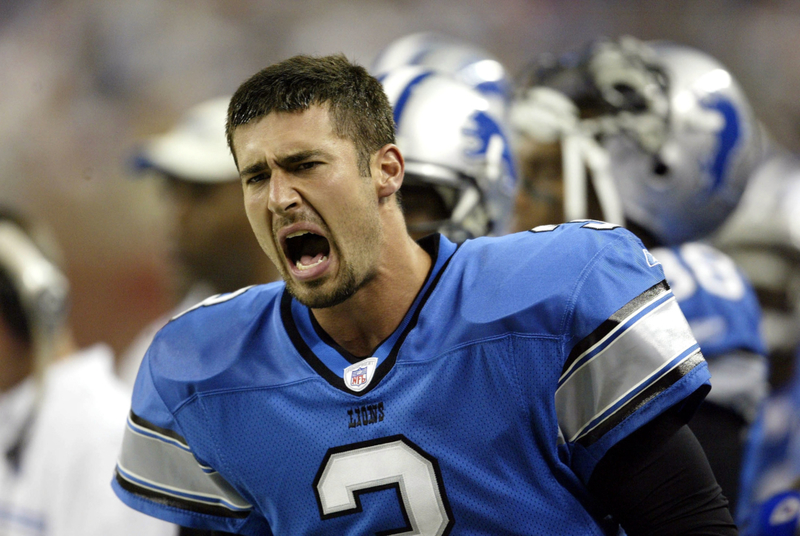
[{"x": 316, "y": 294}]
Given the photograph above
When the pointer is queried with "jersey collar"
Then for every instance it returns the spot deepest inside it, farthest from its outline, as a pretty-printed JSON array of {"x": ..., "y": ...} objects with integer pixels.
[{"x": 329, "y": 359}]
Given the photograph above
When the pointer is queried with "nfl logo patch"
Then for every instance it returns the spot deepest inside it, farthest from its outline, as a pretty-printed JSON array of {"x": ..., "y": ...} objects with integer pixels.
[{"x": 358, "y": 376}]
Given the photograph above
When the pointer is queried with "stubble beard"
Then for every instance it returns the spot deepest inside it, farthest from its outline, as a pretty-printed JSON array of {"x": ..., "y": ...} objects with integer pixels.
[
  {"x": 350, "y": 279},
  {"x": 314, "y": 298},
  {"x": 348, "y": 282}
]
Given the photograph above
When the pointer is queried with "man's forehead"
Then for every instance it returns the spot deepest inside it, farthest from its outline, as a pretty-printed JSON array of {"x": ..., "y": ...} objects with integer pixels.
[
  {"x": 284, "y": 138},
  {"x": 294, "y": 126}
]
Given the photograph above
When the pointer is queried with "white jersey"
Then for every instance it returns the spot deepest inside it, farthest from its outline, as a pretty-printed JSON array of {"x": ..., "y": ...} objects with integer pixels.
[{"x": 59, "y": 454}]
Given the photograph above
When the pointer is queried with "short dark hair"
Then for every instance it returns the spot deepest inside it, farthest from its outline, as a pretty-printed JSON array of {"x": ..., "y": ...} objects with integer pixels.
[{"x": 359, "y": 108}]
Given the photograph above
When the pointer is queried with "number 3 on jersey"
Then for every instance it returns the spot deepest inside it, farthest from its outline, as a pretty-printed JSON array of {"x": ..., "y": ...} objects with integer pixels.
[{"x": 392, "y": 462}]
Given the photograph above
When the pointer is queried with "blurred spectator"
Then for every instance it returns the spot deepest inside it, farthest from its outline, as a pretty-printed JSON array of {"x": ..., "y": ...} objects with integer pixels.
[
  {"x": 212, "y": 244},
  {"x": 60, "y": 409}
]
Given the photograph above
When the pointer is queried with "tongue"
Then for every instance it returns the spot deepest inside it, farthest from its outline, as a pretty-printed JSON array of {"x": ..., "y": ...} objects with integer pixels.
[{"x": 307, "y": 260}]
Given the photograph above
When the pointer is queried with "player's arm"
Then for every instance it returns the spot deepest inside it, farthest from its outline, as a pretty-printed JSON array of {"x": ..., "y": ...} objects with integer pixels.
[
  {"x": 633, "y": 375},
  {"x": 160, "y": 474},
  {"x": 657, "y": 482}
]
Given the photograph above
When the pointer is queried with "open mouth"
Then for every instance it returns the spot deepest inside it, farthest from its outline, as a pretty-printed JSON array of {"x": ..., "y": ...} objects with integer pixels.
[{"x": 305, "y": 249}]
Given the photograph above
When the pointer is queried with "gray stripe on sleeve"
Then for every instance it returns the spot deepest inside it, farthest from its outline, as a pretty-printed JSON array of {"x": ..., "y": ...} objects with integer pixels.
[
  {"x": 631, "y": 359},
  {"x": 163, "y": 466}
]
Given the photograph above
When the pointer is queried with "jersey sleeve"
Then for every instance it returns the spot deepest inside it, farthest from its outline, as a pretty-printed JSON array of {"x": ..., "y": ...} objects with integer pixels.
[
  {"x": 723, "y": 312},
  {"x": 630, "y": 354},
  {"x": 159, "y": 474}
]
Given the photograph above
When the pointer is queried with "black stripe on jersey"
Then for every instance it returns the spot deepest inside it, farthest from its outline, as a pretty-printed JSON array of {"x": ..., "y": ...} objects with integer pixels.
[
  {"x": 135, "y": 419},
  {"x": 175, "y": 502},
  {"x": 613, "y": 321},
  {"x": 430, "y": 244},
  {"x": 392, "y": 357},
  {"x": 301, "y": 346},
  {"x": 658, "y": 387}
]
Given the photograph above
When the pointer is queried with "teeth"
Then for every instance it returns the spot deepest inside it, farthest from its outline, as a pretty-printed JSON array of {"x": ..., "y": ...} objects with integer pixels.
[
  {"x": 307, "y": 266},
  {"x": 296, "y": 233}
]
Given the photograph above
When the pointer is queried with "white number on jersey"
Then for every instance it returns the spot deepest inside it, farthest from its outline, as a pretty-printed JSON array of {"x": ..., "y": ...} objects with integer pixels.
[
  {"x": 714, "y": 271},
  {"x": 352, "y": 470},
  {"x": 597, "y": 225}
]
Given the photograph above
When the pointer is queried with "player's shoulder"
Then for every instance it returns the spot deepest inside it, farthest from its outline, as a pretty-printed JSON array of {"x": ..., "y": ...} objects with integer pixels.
[
  {"x": 563, "y": 250},
  {"x": 537, "y": 277},
  {"x": 220, "y": 313},
  {"x": 209, "y": 337}
]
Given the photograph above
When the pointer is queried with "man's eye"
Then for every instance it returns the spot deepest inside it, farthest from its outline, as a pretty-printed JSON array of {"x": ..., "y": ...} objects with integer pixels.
[
  {"x": 256, "y": 179},
  {"x": 307, "y": 165}
]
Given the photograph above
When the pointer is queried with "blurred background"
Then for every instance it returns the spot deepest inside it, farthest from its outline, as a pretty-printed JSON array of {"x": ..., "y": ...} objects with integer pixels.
[{"x": 83, "y": 82}]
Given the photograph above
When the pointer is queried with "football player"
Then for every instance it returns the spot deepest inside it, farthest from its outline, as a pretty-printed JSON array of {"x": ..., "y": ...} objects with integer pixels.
[
  {"x": 761, "y": 236},
  {"x": 60, "y": 407},
  {"x": 660, "y": 138},
  {"x": 211, "y": 245},
  {"x": 535, "y": 383}
]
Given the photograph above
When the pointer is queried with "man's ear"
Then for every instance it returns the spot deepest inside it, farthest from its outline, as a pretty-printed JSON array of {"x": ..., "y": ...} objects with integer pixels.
[{"x": 388, "y": 169}]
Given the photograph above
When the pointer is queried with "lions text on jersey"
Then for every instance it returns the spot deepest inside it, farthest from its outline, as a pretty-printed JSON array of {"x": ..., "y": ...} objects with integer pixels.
[{"x": 521, "y": 362}]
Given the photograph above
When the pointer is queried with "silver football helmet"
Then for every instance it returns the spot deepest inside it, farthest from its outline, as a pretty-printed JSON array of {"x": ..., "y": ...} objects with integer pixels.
[
  {"x": 453, "y": 143},
  {"x": 464, "y": 61},
  {"x": 664, "y": 129}
]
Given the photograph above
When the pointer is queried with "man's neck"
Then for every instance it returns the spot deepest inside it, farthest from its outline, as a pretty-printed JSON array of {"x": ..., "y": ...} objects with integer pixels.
[{"x": 362, "y": 322}]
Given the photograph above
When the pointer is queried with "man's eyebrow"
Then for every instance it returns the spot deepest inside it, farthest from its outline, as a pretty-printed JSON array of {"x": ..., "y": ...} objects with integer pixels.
[
  {"x": 254, "y": 168},
  {"x": 300, "y": 156},
  {"x": 282, "y": 161}
]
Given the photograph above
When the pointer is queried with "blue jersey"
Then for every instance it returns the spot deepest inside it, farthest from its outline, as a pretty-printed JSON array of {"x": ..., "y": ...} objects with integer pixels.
[
  {"x": 769, "y": 502},
  {"x": 522, "y": 360},
  {"x": 716, "y": 298},
  {"x": 725, "y": 316}
]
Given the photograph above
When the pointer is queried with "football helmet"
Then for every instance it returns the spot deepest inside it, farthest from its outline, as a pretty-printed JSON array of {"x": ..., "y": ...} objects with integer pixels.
[
  {"x": 464, "y": 61},
  {"x": 41, "y": 288},
  {"x": 665, "y": 131},
  {"x": 453, "y": 143}
]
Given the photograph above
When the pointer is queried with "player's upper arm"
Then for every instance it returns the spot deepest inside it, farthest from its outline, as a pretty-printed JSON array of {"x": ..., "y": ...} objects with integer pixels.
[
  {"x": 158, "y": 472},
  {"x": 630, "y": 354}
]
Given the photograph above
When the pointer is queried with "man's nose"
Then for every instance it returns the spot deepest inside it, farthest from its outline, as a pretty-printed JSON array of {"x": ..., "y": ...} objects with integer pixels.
[{"x": 282, "y": 195}]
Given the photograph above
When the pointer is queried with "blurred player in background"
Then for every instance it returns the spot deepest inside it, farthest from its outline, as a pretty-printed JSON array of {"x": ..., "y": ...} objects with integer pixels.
[
  {"x": 657, "y": 137},
  {"x": 763, "y": 236},
  {"x": 60, "y": 408},
  {"x": 211, "y": 243},
  {"x": 450, "y": 100},
  {"x": 464, "y": 61}
]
